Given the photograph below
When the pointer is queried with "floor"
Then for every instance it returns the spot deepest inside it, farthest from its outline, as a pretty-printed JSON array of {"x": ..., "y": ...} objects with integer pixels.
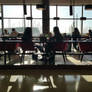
[
  {"x": 45, "y": 83},
  {"x": 70, "y": 60},
  {"x": 49, "y": 82}
]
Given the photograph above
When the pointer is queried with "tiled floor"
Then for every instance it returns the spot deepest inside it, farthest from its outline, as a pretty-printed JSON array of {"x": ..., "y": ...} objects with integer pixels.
[
  {"x": 45, "y": 83},
  {"x": 71, "y": 60},
  {"x": 49, "y": 82}
]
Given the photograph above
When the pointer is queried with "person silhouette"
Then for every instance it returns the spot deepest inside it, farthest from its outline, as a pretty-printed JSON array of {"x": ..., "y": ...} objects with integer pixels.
[
  {"x": 51, "y": 43},
  {"x": 27, "y": 36},
  {"x": 76, "y": 36}
]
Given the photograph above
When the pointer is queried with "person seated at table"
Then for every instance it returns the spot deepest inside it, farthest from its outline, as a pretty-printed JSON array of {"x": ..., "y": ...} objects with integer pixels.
[
  {"x": 76, "y": 36},
  {"x": 51, "y": 43},
  {"x": 90, "y": 34},
  {"x": 14, "y": 33},
  {"x": 88, "y": 37},
  {"x": 6, "y": 35},
  {"x": 6, "y": 32},
  {"x": 57, "y": 35},
  {"x": 27, "y": 36}
]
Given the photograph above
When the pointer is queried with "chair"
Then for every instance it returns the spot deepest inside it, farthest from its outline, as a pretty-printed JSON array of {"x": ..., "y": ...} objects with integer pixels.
[
  {"x": 28, "y": 48},
  {"x": 85, "y": 48},
  {"x": 7, "y": 48},
  {"x": 62, "y": 47},
  {"x": 57, "y": 48}
]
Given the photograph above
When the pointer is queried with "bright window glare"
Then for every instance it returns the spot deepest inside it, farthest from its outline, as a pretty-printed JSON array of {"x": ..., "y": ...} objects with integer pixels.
[
  {"x": 65, "y": 26},
  {"x": 36, "y": 13},
  {"x": 14, "y": 18},
  {"x": 52, "y": 11},
  {"x": 37, "y": 87},
  {"x": 13, "y": 11},
  {"x": 63, "y": 12}
]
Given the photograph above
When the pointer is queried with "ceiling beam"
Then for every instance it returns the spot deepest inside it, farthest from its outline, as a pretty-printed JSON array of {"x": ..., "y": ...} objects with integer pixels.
[{"x": 52, "y": 2}]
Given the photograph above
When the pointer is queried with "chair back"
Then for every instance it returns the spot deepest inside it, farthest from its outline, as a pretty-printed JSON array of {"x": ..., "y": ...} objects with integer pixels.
[
  {"x": 7, "y": 46},
  {"x": 60, "y": 46},
  {"x": 27, "y": 46},
  {"x": 85, "y": 47}
]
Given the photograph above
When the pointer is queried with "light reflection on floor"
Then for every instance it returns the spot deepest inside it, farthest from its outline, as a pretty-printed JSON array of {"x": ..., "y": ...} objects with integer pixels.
[{"x": 45, "y": 83}]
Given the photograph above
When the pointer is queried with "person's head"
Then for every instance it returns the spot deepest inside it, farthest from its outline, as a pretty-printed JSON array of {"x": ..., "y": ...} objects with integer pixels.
[
  {"x": 50, "y": 34},
  {"x": 56, "y": 30},
  {"x": 5, "y": 31},
  {"x": 90, "y": 33},
  {"x": 28, "y": 31},
  {"x": 90, "y": 30},
  {"x": 27, "y": 34},
  {"x": 13, "y": 29},
  {"x": 76, "y": 29}
]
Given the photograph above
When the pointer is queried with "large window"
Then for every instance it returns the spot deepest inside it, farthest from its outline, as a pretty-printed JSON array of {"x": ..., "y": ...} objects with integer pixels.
[
  {"x": 14, "y": 17},
  {"x": 66, "y": 22},
  {"x": 36, "y": 21}
]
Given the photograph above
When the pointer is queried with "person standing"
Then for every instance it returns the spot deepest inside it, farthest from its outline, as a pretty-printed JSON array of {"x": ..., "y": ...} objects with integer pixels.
[{"x": 76, "y": 36}]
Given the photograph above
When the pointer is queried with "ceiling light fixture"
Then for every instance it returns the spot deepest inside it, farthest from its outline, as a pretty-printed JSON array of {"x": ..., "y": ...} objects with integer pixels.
[
  {"x": 71, "y": 7},
  {"x": 88, "y": 7},
  {"x": 40, "y": 6},
  {"x": 24, "y": 7}
]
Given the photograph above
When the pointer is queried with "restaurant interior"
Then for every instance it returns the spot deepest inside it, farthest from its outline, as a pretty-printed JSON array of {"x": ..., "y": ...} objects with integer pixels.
[{"x": 39, "y": 61}]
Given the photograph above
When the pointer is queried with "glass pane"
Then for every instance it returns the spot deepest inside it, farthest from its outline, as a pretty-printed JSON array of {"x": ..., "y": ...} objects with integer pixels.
[
  {"x": 78, "y": 11},
  {"x": 14, "y": 23},
  {"x": 64, "y": 12},
  {"x": 27, "y": 23},
  {"x": 37, "y": 27},
  {"x": 65, "y": 26},
  {"x": 87, "y": 25},
  {"x": 36, "y": 13},
  {"x": 13, "y": 11},
  {"x": 78, "y": 25},
  {"x": 52, "y": 11},
  {"x": 87, "y": 13},
  {"x": 52, "y": 24},
  {"x": 28, "y": 11}
]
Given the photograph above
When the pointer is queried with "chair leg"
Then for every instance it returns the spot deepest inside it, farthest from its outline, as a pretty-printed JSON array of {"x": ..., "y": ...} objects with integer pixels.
[
  {"x": 22, "y": 57},
  {"x": 5, "y": 58},
  {"x": 82, "y": 57},
  {"x": 63, "y": 57}
]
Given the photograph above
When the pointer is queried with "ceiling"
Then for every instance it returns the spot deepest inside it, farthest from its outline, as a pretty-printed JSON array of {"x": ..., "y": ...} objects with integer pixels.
[{"x": 52, "y": 2}]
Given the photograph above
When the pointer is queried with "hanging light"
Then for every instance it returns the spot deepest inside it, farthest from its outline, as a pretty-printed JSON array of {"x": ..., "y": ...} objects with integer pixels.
[
  {"x": 71, "y": 10},
  {"x": 40, "y": 7},
  {"x": 71, "y": 7},
  {"x": 88, "y": 7},
  {"x": 83, "y": 18},
  {"x": 56, "y": 18},
  {"x": 29, "y": 18},
  {"x": 24, "y": 7}
]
